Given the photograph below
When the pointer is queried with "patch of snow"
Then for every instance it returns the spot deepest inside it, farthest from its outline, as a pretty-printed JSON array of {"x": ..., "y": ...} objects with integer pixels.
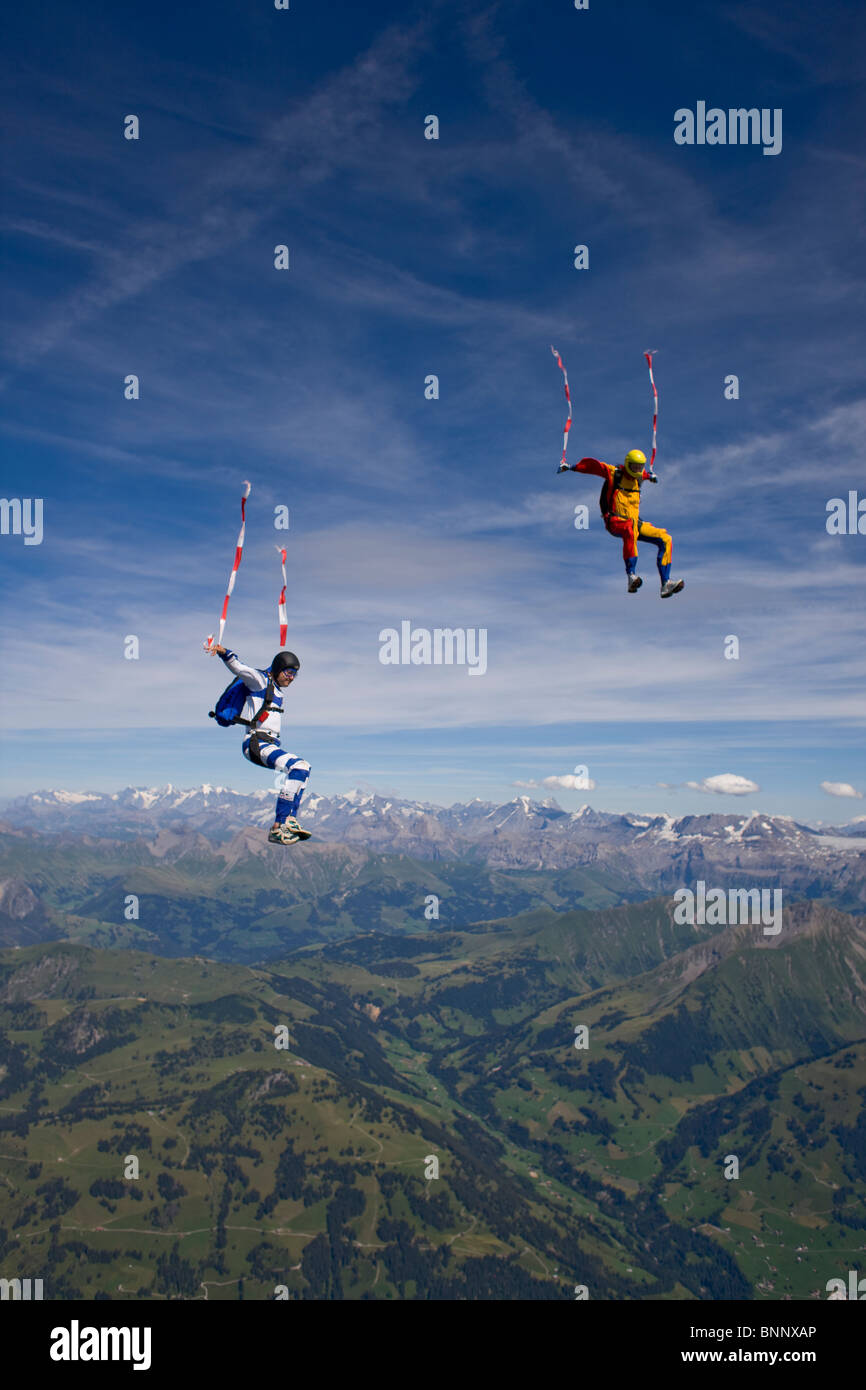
[
  {"x": 355, "y": 797},
  {"x": 666, "y": 831}
]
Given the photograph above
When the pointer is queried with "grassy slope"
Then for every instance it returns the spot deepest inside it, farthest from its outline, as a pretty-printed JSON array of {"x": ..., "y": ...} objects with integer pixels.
[
  {"x": 174, "y": 1062},
  {"x": 602, "y": 1166}
]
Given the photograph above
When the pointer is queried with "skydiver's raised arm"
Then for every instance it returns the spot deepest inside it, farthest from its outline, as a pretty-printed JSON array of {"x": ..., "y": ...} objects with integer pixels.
[
  {"x": 589, "y": 465},
  {"x": 252, "y": 679}
]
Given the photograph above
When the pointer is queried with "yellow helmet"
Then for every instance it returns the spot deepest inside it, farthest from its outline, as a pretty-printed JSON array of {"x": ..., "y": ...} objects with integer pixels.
[{"x": 635, "y": 462}]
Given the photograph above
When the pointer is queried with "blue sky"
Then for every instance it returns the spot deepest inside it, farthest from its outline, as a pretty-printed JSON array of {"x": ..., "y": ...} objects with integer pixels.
[{"x": 454, "y": 257}]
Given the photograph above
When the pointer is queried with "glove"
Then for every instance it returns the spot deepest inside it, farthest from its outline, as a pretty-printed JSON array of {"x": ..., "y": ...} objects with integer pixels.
[
  {"x": 652, "y": 478},
  {"x": 564, "y": 468}
]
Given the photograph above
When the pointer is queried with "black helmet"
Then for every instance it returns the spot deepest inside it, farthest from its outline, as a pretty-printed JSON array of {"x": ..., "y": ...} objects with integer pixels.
[{"x": 284, "y": 661}]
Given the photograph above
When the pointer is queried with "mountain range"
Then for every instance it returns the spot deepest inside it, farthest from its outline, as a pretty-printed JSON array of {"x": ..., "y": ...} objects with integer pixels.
[
  {"x": 205, "y": 879},
  {"x": 522, "y": 833},
  {"x": 435, "y": 970}
]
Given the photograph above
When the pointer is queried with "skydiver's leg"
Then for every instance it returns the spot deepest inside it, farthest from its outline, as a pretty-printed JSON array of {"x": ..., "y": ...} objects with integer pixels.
[
  {"x": 626, "y": 529},
  {"x": 296, "y": 771},
  {"x": 662, "y": 540}
]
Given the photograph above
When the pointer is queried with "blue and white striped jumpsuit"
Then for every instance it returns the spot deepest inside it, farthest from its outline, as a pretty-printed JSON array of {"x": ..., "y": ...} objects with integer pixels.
[{"x": 262, "y": 744}]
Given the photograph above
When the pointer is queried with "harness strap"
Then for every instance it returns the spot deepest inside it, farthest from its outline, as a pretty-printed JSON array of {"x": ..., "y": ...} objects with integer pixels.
[
  {"x": 266, "y": 709},
  {"x": 255, "y": 751},
  {"x": 609, "y": 488}
]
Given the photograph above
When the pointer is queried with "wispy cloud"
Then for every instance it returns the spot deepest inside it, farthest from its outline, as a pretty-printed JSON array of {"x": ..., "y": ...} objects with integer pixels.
[{"x": 453, "y": 258}]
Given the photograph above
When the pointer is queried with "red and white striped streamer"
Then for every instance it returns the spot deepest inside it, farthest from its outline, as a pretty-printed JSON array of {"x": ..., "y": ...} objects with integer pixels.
[
  {"x": 281, "y": 605},
  {"x": 239, "y": 551},
  {"x": 649, "y": 361},
  {"x": 568, "y": 398}
]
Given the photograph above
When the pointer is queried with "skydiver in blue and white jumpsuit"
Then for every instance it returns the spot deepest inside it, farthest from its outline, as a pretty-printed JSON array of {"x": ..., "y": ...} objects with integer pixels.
[{"x": 262, "y": 744}]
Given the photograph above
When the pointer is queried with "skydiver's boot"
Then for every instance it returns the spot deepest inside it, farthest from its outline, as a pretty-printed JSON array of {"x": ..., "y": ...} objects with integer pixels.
[
  {"x": 672, "y": 586},
  {"x": 281, "y": 835},
  {"x": 634, "y": 583},
  {"x": 294, "y": 829}
]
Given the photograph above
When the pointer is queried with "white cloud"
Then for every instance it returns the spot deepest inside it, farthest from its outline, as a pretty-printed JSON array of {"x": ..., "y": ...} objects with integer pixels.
[
  {"x": 725, "y": 784},
  {"x": 568, "y": 782},
  {"x": 841, "y": 789}
]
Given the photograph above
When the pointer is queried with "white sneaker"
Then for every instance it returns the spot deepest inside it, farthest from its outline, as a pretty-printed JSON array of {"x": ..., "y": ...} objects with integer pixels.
[
  {"x": 281, "y": 835},
  {"x": 298, "y": 831}
]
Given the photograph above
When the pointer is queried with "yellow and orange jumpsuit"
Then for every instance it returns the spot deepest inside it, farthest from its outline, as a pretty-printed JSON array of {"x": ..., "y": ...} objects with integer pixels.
[{"x": 620, "y": 505}]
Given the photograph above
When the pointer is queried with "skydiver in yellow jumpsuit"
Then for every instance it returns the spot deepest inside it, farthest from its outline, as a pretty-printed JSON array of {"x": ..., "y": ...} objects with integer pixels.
[{"x": 620, "y": 507}]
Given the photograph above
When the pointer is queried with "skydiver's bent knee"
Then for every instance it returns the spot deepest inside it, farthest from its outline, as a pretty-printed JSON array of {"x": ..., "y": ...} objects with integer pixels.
[
  {"x": 265, "y": 752},
  {"x": 655, "y": 535},
  {"x": 296, "y": 769}
]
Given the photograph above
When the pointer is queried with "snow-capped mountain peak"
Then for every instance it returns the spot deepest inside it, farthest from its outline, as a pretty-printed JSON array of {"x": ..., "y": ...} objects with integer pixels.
[{"x": 518, "y": 834}]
